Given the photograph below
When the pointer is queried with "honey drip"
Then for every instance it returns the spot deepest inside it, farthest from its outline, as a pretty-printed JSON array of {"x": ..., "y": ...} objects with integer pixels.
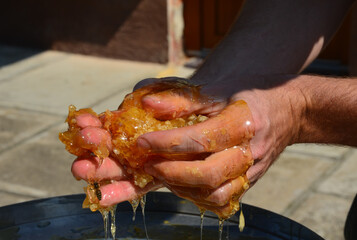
[
  {"x": 105, "y": 214},
  {"x": 241, "y": 219},
  {"x": 220, "y": 227},
  {"x": 112, "y": 224},
  {"x": 202, "y": 214},
  {"x": 142, "y": 205},
  {"x": 134, "y": 204}
]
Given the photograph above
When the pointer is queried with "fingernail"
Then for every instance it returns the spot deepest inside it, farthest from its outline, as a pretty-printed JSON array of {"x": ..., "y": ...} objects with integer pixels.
[{"x": 143, "y": 143}]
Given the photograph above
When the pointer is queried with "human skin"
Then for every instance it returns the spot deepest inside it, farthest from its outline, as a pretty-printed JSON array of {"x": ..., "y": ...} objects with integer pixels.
[
  {"x": 258, "y": 62},
  {"x": 302, "y": 109}
]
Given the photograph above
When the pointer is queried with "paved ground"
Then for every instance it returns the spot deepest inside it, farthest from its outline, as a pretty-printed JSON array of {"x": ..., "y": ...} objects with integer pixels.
[{"x": 312, "y": 184}]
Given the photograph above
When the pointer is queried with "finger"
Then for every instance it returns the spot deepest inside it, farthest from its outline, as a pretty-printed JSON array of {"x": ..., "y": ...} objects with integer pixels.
[
  {"x": 211, "y": 172},
  {"x": 169, "y": 98},
  {"x": 87, "y": 120},
  {"x": 166, "y": 105},
  {"x": 96, "y": 136},
  {"x": 160, "y": 86},
  {"x": 90, "y": 139},
  {"x": 96, "y": 140},
  {"x": 258, "y": 170},
  {"x": 223, "y": 212},
  {"x": 90, "y": 169},
  {"x": 121, "y": 191},
  {"x": 231, "y": 127},
  {"x": 214, "y": 197}
]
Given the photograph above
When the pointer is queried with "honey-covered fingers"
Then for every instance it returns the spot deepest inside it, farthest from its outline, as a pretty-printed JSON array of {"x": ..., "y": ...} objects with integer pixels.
[
  {"x": 108, "y": 182},
  {"x": 219, "y": 196},
  {"x": 176, "y": 98},
  {"x": 85, "y": 134},
  {"x": 106, "y": 144},
  {"x": 92, "y": 168},
  {"x": 170, "y": 98},
  {"x": 87, "y": 138},
  {"x": 215, "y": 183},
  {"x": 114, "y": 141},
  {"x": 120, "y": 191},
  {"x": 233, "y": 126},
  {"x": 167, "y": 105},
  {"x": 223, "y": 200},
  {"x": 210, "y": 172}
]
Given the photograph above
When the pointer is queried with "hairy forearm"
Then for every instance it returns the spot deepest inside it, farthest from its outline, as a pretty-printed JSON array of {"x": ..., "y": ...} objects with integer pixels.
[
  {"x": 329, "y": 114},
  {"x": 272, "y": 37}
]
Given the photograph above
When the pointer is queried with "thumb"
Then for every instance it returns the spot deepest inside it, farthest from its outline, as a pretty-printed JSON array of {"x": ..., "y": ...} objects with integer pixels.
[
  {"x": 169, "y": 98},
  {"x": 168, "y": 105}
]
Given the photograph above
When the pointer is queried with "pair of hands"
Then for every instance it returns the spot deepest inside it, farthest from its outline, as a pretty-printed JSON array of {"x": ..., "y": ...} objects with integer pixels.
[{"x": 216, "y": 178}]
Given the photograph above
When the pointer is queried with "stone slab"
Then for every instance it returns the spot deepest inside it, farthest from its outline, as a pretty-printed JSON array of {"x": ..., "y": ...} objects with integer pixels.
[
  {"x": 22, "y": 190},
  {"x": 17, "y": 125},
  {"x": 42, "y": 164},
  {"x": 23, "y": 64},
  {"x": 324, "y": 214},
  {"x": 10, "y": 198},
  {"x": 289, "y": 177},
  {"x": 79, "y": 80},
  {"x": 324, "y": 150},
  {"x": 343, "y": 181}
]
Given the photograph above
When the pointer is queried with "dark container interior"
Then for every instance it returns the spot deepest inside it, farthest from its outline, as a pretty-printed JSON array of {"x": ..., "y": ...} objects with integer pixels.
[{"x": 167, "y": 217}]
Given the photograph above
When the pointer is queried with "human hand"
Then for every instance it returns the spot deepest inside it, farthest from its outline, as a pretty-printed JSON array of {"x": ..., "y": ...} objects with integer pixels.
[
  {"x": 214, "y": 191},
  {"x": 111, "y": 137},
  {"x": 88, "y": 136},
  {"x": 119, "y": 186},
  {"x": 213, "y": 181}
]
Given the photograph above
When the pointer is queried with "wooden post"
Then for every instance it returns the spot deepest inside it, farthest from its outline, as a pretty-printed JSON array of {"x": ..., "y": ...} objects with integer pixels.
[{"x": 175, "y": 32}]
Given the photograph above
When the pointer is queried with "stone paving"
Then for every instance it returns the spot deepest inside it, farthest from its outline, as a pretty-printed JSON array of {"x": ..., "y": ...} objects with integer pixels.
[{"x": 312, "y": 184}]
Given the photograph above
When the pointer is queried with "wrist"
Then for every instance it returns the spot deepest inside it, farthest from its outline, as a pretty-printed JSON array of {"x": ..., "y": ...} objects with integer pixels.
[
  {"x": 297, "y": 99},
  {"x": 278, "y": 113}
]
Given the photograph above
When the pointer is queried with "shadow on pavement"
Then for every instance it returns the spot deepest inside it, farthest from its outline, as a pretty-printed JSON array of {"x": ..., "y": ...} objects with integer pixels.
[{"x": 11, "y": 54}]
